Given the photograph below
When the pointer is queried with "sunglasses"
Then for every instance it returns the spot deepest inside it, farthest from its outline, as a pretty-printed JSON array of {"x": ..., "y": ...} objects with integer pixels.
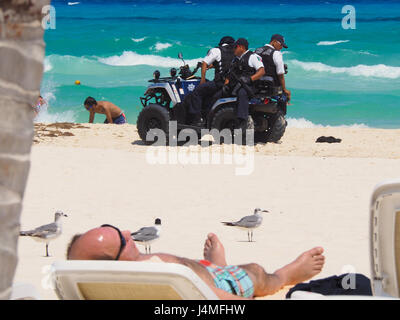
[{"x": 121, "y": 237}]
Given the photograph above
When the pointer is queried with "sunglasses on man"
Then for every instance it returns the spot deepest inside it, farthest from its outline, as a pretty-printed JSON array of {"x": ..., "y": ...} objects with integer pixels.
[{"x": 121, "y": 237}]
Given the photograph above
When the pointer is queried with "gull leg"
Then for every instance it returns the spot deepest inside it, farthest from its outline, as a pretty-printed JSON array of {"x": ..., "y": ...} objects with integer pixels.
[
  {"x": 251, "y": 235},
  {"x": 150, "y": 249},
  {"x": 47, "y": 249},
  {"x": 248, "y": 235}
]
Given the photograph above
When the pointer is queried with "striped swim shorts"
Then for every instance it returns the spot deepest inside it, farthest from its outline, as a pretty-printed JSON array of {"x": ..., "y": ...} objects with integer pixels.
[{"x": 231, "y": 279}]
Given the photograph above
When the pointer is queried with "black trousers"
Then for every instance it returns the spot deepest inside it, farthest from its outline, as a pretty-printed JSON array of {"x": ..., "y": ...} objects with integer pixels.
[
  {"x": 242, "y": 104},
  {"x": 201, "y": 95}
]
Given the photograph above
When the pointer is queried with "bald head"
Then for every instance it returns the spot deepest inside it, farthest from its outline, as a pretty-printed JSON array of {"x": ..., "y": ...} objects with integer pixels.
[{"x": 101, "y": 243}]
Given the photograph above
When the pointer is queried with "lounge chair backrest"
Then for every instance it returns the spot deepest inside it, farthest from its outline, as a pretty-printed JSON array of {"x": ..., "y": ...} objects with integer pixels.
[
  {"x": 127, "y": 280},
  {"x": 385, "y": 239}
]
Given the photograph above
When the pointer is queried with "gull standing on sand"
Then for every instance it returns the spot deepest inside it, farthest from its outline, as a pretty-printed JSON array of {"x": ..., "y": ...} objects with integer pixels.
[
  {"x": 248, "y": 223},
  {"x": 48, "y": 232},
  {"x": 147, "y": 235}
]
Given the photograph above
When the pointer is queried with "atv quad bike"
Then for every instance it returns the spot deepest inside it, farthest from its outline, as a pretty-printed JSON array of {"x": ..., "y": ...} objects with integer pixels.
[{"x": 166, "y": 100}]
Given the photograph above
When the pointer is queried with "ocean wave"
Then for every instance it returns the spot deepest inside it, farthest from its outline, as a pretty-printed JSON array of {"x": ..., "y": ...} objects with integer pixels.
[
  {"x": 331, "y": 43},
  {"x": 302, "y": 123},
  {"x": 138, "y": 39},
  {"x": 47, "y": 91},
  {"x": 161, "y": 46},
  {"x": 47, "y": 66},
  {"x": 378, "y": 71},
  {"x": 73, "y": 3},
  {"x": 130, "y": 58},
  {"x": 45, "y": 116}
]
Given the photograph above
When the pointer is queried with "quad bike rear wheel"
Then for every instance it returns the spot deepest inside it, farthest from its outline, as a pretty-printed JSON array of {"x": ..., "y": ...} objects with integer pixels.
[
  {"x": 276, "y": 129},
  {"x": 226, "y": 118}
]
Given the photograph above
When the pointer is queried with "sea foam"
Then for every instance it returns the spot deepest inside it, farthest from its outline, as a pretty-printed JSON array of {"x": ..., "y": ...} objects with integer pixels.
[
  {"x": 138, "y": 39},
  {"x": 331, "y": 43},
  {"x": 303, "y": 123},
  {"x": 161, "y": 46},
  {"x": 378, "y": 71},
  {"x": 130, "y": 58}
]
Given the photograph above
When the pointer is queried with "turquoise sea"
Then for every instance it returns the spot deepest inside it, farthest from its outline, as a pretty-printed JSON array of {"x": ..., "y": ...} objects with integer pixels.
[{"x": 338, "y": 77}]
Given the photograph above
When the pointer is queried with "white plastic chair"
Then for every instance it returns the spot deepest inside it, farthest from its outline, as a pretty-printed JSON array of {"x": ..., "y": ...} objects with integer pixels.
[
  {"x": 385, "y": 239},
  {"x": 128, "y": 280}
]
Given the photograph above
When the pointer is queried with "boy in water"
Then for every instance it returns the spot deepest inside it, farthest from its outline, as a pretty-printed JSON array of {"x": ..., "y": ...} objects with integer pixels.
[
  {"x": 40, "y": 102},
  {"x": 113, "y": 113}
]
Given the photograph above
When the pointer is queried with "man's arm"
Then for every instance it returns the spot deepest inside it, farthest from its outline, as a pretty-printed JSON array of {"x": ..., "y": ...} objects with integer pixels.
[
  {"x": 255, "y": 62},
  {"x": 204, "y": 68},
  {"x": 280, "y": 70},
  {"x": 260, "y": 72},
  {"x": 212, "y": 56},
  {"x": 108, "y": 115},
  {"x": 91, "y": 116},
  {"x": 283, "y": 84}
]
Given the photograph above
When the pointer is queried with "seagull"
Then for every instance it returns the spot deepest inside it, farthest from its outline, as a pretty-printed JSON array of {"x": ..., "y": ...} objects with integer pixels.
[
  {"x": 147, "y": 235},
  {"x": 47, "y": 232},
  {"x": 248, "y": 223}
]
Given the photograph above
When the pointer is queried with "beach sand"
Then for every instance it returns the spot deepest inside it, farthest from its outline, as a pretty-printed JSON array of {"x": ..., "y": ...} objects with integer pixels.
[{"x": 318, "y": 195}]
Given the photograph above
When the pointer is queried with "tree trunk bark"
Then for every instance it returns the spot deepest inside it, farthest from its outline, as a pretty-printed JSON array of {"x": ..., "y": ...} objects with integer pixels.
[{"x": 21, "y": 69}]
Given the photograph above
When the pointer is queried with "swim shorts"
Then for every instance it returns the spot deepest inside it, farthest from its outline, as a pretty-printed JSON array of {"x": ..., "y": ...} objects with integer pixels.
[
  {"x": 231, "y": 279},
  {"x": 121, "y": 119}
]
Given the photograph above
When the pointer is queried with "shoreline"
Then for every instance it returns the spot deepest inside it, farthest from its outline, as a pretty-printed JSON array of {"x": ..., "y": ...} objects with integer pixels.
[{"x": 356, "y": 142}]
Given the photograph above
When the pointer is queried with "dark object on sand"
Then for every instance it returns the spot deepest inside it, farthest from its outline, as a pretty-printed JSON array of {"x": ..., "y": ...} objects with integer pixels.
[
  {"x": 336, "y": 285},
  {"x": 328, "y": 140}
]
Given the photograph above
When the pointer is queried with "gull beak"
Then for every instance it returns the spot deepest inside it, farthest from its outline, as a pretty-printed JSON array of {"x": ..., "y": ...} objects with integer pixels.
[{"x": 265, "y": 211}]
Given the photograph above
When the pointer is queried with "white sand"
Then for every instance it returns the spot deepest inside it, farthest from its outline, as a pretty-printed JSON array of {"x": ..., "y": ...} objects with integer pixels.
[{"x": 314, "y": 200}]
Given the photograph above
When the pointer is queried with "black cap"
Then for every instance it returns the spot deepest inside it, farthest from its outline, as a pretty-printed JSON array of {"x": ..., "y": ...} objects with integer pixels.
[
  {"x": 279, "y": 38},
  {"x": 226, "y": 40},
  {"x": 242, "y": 42}
]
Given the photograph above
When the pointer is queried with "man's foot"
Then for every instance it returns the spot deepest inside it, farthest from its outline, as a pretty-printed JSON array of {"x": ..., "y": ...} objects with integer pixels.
[
  {"x": 306, "y": 266},
  {"x": 214, "y": 250}
]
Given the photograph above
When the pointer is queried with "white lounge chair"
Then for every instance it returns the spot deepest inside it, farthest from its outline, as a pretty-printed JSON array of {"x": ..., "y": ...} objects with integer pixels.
[
  {"x": 385, "y": 239},
  {"x": 128, "y": 280}
]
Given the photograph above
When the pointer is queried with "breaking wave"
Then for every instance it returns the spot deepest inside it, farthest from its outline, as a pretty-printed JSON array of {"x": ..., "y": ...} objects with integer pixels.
[
  {"x": 379, "y": 70},
  {"x": 130, "y": 58},
  {"x": 303, "y": 123}
]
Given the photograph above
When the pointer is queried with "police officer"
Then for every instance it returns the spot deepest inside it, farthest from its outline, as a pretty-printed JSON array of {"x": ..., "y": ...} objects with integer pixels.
[
  {"x": 220, "y": 59},
  {"x": 273, "y": 62},
  {"x": 246, "y": 68}
]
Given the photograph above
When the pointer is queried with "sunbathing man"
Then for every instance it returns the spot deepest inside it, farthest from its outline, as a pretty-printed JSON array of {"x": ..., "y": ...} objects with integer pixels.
[
  {"x": 113, "y": 113},
  {"x": 228, "y": 282}
]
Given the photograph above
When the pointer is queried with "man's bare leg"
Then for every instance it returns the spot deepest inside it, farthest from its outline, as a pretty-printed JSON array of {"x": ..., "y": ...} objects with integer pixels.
[
  {"x": 306, "y": 266},
  {"x": 214, "y": 250}
]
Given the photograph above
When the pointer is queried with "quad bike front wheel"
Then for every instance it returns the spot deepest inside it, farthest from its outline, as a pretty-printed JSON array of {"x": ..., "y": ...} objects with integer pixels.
[
  {"x": 276, "y": 129},
  {"x": 153, "y": 116}
]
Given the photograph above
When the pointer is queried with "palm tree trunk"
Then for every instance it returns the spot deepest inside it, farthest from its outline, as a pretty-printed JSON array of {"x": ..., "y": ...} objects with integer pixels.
[{"x": 21, "y": 69}]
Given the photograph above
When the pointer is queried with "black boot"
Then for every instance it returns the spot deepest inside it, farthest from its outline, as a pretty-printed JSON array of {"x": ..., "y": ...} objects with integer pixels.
[{"x": 197, "y": 121}]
